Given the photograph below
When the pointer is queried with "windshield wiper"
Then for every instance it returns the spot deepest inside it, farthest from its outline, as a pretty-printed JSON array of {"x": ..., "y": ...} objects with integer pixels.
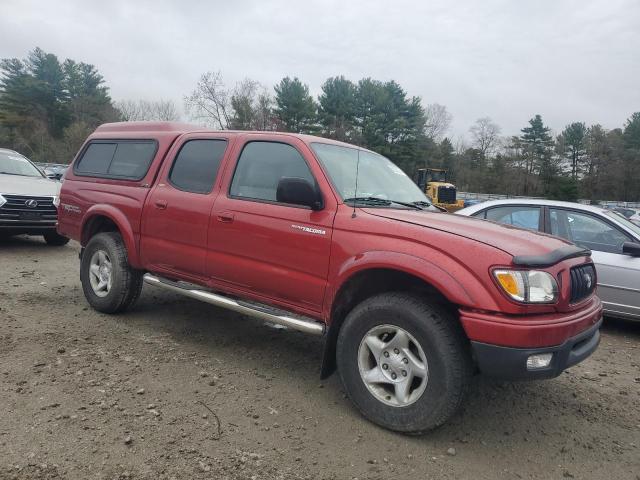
[
  {"x": 381, "y": 201},
  {"x": 10, "y": 173}
]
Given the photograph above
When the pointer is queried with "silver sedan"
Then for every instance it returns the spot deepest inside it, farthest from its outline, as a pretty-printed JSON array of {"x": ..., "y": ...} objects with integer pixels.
[{"x": 613, "y": 240}]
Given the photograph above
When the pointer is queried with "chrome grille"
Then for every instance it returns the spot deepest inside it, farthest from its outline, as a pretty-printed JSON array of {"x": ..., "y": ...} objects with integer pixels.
[{"x": 16, "y": 211}]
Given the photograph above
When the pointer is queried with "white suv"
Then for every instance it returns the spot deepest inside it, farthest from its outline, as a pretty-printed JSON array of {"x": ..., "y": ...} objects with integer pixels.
[{"x": 28, "y": 199}]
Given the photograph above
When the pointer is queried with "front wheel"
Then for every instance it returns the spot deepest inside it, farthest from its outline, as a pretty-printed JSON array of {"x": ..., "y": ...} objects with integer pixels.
[
  {"x": 109, "y": 283},
  {"x": 404, "y": 362}
]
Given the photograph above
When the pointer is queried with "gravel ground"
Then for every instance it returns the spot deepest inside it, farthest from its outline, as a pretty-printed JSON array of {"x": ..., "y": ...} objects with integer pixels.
[{"x": 179, "y": 389}]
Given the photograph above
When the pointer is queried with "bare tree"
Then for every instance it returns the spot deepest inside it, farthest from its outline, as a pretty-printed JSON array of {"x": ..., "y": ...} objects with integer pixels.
[
  {"x": 130, "y": 111},
  {"x": 252, "y": 107},
  {"x": 210, "y": 102},
  {"x": 438, "y": 121},
  {"x": 243, "y": 102},
  {"x": 265, "y": 118},
  {"x": 486, "y": 136},
  {"x": 166, "y": 110},
  {"x": 145, "y": 110}
]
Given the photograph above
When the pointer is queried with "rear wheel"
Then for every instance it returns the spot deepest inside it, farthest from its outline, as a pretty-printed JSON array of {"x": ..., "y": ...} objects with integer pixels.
[
  {"x": 55, "y": 239},
  {"x": 403, "y": 362},
  {"x": 109, "y": 283}
]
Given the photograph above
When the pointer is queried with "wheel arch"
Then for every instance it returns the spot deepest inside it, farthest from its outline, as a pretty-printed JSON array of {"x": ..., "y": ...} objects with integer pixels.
[
  {"x": 365, "y": 280},
  {"x": 105, "y": 218}
]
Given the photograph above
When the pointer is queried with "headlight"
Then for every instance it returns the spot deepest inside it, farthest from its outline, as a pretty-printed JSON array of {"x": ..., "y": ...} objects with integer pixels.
[
  {"x": 56, "y": 201},
  {"x": 528, "y": 286},
  {"x": 2, "y": 200}
]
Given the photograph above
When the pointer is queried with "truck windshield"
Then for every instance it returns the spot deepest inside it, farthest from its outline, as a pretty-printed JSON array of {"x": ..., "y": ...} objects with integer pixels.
[
  {"x": 380, "y": 182},
  {"x": 12, "y": 163}
]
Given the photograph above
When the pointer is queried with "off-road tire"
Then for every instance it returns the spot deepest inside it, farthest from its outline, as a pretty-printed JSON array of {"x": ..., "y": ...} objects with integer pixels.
[
  {"x": 126, "y": 283},
  {"x": 447, "y": 352},
  {"x": 55, "y": 240}
]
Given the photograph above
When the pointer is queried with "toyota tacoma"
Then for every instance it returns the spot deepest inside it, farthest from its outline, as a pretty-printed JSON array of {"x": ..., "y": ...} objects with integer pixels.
[{"x": 332, "y": 240}]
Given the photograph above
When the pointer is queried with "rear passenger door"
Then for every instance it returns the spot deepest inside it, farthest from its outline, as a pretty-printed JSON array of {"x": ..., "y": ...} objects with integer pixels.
[
  {"x": 177, "y": 212},
  {"x": 261, "y": 246}
]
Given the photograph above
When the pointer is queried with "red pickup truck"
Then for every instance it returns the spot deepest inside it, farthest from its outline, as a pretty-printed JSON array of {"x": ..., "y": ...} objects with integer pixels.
[{"x": 333, "y": 240}]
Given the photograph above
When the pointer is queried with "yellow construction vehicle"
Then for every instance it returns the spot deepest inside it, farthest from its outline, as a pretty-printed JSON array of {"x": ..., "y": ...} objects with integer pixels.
[{"x": 433, "y": 181}]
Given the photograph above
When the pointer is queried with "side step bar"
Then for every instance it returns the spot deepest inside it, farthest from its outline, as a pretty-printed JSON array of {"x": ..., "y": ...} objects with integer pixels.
[{"x": 303, "y": 324}]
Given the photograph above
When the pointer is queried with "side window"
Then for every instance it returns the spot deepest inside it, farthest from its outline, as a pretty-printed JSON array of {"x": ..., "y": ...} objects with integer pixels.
[
  {"x": 586, "y": 231},
  {"x": 132, "y": 159},
  {"x": 119, "y": 158},
  {"x": 196, "y": 165},
  {"x": 518, "y": 216},
  {"x": 97, "y": 158},
  {"x": 262, "y": 165}
]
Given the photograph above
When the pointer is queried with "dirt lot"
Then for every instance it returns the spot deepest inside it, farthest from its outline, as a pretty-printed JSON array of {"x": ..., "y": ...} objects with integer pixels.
[{"x": 86, "y": 395}]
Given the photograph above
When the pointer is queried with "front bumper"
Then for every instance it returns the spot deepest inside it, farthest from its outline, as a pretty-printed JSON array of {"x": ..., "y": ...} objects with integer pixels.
[
  {"x": 530, "y": 331},
  {"x": 29, "y": 228},
  {"x": 510, "y": 363}
]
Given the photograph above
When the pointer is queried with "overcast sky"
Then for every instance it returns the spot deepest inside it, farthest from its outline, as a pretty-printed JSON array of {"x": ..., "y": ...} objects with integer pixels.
[{"x": 567, "y": 60}]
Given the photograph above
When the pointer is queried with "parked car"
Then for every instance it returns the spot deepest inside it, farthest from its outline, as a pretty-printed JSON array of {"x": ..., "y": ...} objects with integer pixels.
[
  {"x": 55, "y": 172},
  {"x": 613, "y": 239},
  {"x": 631, "y": 214},
  {"x": 472, "y": 201},
  {"x": 28, "y": 199},
  {"x": 334, "y": 240}
]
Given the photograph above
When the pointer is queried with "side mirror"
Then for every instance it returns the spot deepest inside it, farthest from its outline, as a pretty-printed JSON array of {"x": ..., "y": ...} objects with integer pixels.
[
  {"x": 631, "y": 248},
  {"x": 298, "y": 191}
]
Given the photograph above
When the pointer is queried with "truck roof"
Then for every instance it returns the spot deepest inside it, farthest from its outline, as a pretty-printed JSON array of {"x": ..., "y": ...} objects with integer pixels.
[{"x": 180, "y": 128}]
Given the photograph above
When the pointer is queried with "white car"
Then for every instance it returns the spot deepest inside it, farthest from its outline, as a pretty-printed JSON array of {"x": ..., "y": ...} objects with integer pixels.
[
  {"x": 28, "y": 199},
  {"x": 632, "y": 214},
  {"x": 613, "y": 240}
]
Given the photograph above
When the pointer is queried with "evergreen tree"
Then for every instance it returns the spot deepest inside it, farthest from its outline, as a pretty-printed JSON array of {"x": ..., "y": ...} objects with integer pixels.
[
  {"x": 45, "y": 105},
  {"x": 632, "y": 132},
  {"x": 631, "y": 158},
  {"x": 337, "y": 104},
  {"x": 573, "y": 146},
  {"x": 537, "y": 148},
  {"x": 295, "y": 108}
]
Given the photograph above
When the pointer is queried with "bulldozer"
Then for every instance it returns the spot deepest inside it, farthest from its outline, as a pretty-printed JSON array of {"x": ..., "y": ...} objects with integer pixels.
[{"x": 433, "y": 181}]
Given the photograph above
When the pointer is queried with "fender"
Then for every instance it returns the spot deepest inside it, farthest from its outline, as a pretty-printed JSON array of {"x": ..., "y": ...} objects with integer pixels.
[
  {"x": 426, "y": 270},
  {"x": 123, "y": 224},
  {"x": 431, "y": 273}
]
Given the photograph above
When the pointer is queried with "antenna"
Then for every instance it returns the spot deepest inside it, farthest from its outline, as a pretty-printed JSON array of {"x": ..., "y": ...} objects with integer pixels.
[{"x": 355, "y": 193}]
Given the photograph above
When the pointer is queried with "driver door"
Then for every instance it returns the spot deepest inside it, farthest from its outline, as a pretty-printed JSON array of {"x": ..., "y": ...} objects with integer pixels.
[{"x": 263, "y": 247}]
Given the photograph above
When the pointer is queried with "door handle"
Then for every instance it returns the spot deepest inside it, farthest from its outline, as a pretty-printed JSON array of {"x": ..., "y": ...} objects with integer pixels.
[
  {"x": 161, "y": 204},
  {"x": 226, "y": 217}
]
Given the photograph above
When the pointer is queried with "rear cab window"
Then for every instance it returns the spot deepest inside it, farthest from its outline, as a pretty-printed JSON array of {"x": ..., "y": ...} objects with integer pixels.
[{"x": 118, "y": 159}]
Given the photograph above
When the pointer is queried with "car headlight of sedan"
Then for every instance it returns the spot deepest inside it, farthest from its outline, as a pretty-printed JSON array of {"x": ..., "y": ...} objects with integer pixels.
[
  {"x": 56, "y": 201},
  {"x": 2, "y": 200},
  {"x": 528, "y": 286}
]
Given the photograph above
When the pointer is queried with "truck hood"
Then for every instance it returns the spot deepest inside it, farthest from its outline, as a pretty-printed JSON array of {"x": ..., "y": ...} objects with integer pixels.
[
  {"x": 521, "y": 243},
  {"x": 35, "y": 186}
]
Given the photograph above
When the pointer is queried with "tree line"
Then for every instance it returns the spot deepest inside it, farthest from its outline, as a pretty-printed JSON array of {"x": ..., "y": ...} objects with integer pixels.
[{"x": 48, "y": 107}]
